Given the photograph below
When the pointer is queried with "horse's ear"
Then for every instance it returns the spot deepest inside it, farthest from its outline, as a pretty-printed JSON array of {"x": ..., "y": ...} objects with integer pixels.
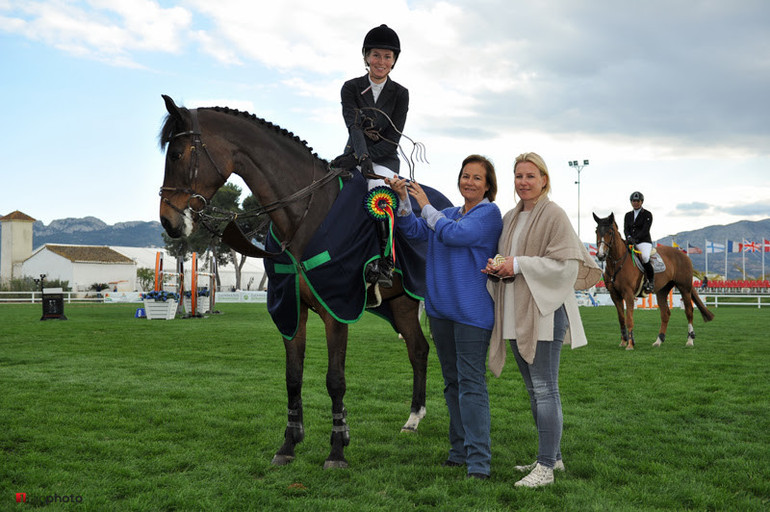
[
  {"x": 173, "y": 110},
  {"x": 612, "y": 217},
  {"x": 597, "y": 219}
]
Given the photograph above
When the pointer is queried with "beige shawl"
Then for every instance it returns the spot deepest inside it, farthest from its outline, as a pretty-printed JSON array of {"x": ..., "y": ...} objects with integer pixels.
[{"x": 547, "y": 234}]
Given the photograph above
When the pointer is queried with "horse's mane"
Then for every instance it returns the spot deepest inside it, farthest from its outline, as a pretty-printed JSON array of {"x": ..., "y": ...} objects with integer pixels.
[{"x": 170, "y": 127}]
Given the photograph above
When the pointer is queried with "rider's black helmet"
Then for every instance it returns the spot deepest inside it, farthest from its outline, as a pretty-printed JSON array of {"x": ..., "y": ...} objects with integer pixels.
[
  {"x": 637, "y": 196},
  {"x": 382, "y": 37}
]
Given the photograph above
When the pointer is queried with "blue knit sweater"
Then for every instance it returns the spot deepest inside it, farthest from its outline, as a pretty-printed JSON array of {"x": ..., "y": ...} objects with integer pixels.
[{"x": 457, "y": 251}]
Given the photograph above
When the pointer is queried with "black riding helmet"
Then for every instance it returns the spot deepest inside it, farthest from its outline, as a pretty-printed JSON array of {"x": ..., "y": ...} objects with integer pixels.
[
  {"x": 637, "y": 196},
  {"x": 382, "y": 37}
]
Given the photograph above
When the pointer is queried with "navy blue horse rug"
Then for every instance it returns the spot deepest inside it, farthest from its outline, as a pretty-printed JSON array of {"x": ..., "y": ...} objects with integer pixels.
[{"x": 334, "y": 261}]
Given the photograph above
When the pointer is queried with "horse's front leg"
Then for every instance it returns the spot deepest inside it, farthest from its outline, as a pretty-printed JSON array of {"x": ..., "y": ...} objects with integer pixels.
[
  {"x": 337, "y": 342},
  {"x": 629, "y": 300},
  {"x": 295, "y": 361},
  {"x": 618, "y": 301}
]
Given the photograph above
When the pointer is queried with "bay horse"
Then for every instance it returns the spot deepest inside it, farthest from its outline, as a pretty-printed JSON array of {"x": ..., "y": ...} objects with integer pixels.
[
  {"x": 624, "y": 282},
  {"x": 297, "y": 188}
]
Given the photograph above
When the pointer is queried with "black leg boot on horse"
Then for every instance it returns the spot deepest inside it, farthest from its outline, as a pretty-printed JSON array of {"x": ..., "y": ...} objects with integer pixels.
[
  {"x": 381, "y": 270},
  {"x": 649, "y": 274}
]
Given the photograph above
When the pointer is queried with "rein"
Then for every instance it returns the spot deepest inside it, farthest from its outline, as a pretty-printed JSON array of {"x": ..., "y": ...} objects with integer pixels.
[{"x": 232, "y": 231}]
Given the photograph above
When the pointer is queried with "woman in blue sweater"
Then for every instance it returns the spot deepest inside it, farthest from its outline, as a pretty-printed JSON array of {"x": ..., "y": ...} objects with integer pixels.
[{"x": 461, "y": 311}]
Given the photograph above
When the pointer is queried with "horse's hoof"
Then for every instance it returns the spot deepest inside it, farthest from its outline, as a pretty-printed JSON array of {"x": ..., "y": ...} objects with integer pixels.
[
  {"x": 282, "y": 460},
  {"x": 656, "y": 344},
  {"x": 335, "y": 464},
  {"x": 414, "y": 421},
  {"x": 622, "y": 344},
  {"x": 630, "y": 347},
  {"x": 689, "y": 343}
]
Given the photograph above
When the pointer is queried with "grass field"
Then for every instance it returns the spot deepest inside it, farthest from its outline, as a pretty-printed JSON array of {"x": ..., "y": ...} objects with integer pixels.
[{"x": 107, "y": 412}]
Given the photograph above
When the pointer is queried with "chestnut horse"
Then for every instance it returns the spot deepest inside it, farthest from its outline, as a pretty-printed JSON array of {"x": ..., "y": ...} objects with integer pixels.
[
  {"x": 204, "y": 147},
  {"x": 624, "y": 282}
]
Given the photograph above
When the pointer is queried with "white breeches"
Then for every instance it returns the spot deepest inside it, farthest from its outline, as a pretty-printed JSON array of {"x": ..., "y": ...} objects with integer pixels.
[
  {"x": 644, "y": 249},
  {"x": 384, "y": 171}
]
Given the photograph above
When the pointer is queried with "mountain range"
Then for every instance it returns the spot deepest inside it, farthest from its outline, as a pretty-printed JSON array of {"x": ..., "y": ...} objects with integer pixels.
[{"x": 93, "y": 231}]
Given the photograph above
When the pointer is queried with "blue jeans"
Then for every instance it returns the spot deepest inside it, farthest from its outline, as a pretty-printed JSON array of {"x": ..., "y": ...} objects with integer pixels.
[
  {"x": 541, "y": 378},
  {"x": 462, "y": 352}
]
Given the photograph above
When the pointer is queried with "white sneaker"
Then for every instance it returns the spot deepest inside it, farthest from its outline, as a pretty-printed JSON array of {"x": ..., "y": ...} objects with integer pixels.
[
  {"x": 559, "y": 466},
  {"x": 539, "y": 476}
]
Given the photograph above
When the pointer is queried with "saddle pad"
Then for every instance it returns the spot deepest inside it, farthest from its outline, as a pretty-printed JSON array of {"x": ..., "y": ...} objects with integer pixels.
[
  {"x": 334, "y": 261},
  {"x": 658, "y": 265}
]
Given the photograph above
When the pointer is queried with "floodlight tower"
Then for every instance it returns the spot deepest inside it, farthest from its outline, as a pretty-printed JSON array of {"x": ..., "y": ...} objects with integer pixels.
[{"x": 578, "y": 167}]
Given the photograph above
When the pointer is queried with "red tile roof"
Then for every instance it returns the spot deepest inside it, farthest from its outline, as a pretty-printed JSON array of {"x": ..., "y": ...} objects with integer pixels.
[{"x": 17, "y": 215}]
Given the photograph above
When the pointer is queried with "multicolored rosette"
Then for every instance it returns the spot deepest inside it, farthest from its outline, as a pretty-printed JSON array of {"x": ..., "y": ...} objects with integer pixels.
[{"x": 381, "y": 203}]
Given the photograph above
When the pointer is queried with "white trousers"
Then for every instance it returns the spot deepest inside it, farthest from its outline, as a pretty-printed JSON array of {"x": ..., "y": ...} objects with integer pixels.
[
  {"x": 644, "y": 249},
  {"x": 384, "y": 171}
]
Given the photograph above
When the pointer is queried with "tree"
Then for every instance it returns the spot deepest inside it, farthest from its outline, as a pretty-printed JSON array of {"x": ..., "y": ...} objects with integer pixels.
[{"x": 146, "y": 278}]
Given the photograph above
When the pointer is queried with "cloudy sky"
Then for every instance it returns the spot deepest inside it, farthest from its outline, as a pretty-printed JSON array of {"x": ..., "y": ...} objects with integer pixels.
[{"x": 667, "y": 97}]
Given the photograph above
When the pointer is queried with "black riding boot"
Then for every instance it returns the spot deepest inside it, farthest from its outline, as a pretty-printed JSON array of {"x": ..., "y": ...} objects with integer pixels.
[
  {"x": 381, "y": 270},
  {"x": 649, "y": 273}
]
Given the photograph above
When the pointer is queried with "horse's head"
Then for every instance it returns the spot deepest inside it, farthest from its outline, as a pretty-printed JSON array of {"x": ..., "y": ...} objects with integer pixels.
[
  {"x": 191, "y": 177},
  {"x": 607, "y": 235}
]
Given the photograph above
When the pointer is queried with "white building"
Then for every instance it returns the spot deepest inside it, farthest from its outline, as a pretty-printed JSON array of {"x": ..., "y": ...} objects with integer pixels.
[{"x": 82, "y": 266}]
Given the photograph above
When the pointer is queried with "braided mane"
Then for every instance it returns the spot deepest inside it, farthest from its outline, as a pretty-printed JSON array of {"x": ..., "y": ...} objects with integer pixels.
[{"x": 169, "y": 129}]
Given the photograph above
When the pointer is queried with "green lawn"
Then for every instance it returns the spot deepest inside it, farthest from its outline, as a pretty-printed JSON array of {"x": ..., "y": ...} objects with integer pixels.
[{"x": 116, "y": 413}]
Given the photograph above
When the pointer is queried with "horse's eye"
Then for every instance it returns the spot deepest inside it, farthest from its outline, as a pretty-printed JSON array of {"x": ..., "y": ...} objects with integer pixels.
[{"x": 176, "y": 155}]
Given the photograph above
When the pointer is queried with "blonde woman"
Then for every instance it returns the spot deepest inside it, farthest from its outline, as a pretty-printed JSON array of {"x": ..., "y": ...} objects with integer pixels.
[{"x": 541, "y": 263}]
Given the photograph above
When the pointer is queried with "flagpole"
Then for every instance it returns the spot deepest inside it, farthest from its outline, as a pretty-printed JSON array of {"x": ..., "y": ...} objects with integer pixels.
[
  {"x": 726, "y": 259},
  {"x": 706, "y": 245},
  {"x": 743, "y": 254}
]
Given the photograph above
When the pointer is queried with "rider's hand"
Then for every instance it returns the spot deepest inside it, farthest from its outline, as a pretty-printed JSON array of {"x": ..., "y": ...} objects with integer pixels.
[
  {"x": 366, "y": 166},
  {"x": 630, "y": 240},
  {"x": 346, "y": 162}
]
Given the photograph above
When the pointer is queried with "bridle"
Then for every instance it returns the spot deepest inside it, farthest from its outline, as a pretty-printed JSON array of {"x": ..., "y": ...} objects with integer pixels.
[
  {"x": 617, "y": 263},
  {"x": 195, "y": 149},
  {"x": 204, "y": 214}
]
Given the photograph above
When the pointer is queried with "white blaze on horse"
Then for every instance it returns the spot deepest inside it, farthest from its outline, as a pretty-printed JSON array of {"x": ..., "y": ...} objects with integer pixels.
[
  {"x": 296, "y": 189},
  {"x": 624, "y": 282}
]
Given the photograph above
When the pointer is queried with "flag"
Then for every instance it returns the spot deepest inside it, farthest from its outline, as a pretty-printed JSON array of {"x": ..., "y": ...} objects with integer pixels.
[
  {"x": 676, "y": 246},
  {"x": 749, "y": 246},
  {"x": 733, "y": 246},
  {"x": 691, "y": 249},
  {"x": 767, "y": 245},
  {"x": 592, "y": 249},
  {"x": 712, "y": 247}
]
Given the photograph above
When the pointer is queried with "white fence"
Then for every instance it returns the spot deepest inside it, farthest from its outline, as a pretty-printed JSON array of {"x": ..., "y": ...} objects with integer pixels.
[
  {"x": 584, "y": 299},
  {"x": 122, "y": 297}
]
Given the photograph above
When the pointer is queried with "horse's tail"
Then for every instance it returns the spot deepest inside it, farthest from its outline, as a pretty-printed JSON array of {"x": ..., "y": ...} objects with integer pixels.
[{"x": 707, "y": 314}]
